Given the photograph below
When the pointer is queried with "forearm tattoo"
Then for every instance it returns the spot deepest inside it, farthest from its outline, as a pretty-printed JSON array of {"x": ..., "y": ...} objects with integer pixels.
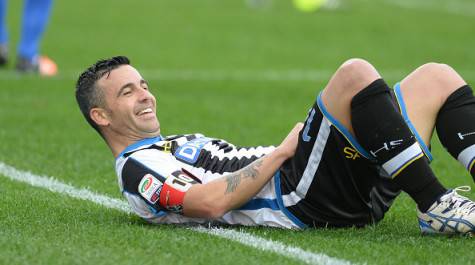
[{"x": 234, "y": 179}]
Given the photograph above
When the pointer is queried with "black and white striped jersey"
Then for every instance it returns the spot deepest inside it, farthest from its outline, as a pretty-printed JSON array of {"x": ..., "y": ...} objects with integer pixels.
[{"x": 147, "y": 165}]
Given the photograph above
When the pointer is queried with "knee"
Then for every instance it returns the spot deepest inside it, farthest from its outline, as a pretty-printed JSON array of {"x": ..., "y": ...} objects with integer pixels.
[
  {"x": 441, "y": 77},
  {"x": 355, "y": 67},
  {"x": 354, "y": 75},
  {"x": 436, "y": 70}
]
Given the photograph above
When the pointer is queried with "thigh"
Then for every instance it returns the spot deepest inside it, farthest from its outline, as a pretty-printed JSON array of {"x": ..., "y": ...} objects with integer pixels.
[{"x": 351, "y": 77}]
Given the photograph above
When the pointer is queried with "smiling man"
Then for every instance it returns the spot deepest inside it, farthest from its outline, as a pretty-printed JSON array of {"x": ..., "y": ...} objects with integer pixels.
[
  {"x": 361, "y": 144},
  {"x": 155, "y": 172}
]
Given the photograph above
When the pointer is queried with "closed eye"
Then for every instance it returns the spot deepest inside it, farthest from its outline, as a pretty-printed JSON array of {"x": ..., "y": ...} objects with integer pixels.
[
  {"x": 127, "y": 91},
  {"x": 144, "y": 84}
]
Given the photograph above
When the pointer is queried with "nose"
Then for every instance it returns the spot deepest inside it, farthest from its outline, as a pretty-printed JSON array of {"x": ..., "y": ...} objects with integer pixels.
[{"x": 145, "y": 95}]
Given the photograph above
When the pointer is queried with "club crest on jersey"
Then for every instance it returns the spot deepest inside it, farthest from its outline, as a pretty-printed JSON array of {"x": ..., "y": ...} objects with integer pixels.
[
  {"x": 190, "y": 151},
  {"x": 150, "y": 188}
]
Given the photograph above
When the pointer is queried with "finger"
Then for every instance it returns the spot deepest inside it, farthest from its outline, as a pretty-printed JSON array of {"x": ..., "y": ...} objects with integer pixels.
[{"x": 298, "y": 126}]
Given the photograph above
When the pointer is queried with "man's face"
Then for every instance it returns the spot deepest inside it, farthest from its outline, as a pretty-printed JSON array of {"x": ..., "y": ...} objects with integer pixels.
[{"x": 130, "y": 107}]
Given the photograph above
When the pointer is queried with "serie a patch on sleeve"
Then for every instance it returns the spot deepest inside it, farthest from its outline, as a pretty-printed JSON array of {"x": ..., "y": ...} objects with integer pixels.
[{"x": 150, "y": 188}]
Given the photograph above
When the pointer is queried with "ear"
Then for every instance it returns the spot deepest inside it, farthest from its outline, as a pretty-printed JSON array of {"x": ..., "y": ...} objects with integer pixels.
[{"x": 99, "y": 116}]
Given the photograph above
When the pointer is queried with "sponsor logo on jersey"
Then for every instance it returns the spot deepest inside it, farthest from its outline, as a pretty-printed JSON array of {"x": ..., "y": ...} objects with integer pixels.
[
  {"x": 190, "y": 151},
  {"x": 351, "y": 153},
  {"x": 150, "y": 188}
]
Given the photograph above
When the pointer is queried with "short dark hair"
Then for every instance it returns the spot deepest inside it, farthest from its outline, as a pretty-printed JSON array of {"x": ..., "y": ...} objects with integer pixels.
[{"x": 88, "y": 95}]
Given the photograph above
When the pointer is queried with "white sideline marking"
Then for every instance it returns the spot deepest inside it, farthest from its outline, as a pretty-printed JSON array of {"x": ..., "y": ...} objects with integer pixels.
[
  {"x": 272, "y": 246},
  {"x": 55, "y": 185}
]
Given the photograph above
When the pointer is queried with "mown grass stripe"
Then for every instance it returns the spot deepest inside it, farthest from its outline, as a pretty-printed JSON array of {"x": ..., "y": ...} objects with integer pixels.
[
  {"x": 208, "y": 75},
  {"x": 55, "y": 185},
  {"x": 452, "y": 7}
]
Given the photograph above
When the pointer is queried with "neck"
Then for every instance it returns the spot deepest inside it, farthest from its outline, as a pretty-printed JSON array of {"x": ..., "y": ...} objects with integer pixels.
[
  {"x": 118, "y": 143},
  {"x": 117, "y": 146}
]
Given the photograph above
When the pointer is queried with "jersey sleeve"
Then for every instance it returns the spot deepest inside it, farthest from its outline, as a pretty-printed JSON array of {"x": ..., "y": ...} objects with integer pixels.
[{"x": 154, "y": 178}]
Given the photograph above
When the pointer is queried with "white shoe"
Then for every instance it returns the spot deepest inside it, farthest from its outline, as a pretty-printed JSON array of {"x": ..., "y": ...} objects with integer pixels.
[{"x": 451, "y": 214}]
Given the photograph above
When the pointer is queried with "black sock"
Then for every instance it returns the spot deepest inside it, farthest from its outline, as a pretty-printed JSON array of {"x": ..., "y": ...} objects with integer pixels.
[
  {"x": 380, "y": 128},
  {"x": 456, "y": 127}
]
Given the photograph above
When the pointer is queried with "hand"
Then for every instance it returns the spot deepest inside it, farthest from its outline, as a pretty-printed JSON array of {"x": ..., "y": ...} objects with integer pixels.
[{"x": 289, "y": 144}]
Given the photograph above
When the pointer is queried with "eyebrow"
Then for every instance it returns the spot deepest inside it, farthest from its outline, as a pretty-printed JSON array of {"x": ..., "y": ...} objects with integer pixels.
[{"x": 130, "y": 84}]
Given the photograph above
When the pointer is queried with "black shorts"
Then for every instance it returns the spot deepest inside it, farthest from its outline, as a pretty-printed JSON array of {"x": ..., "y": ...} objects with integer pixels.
[{"x": 331, "y": 180}]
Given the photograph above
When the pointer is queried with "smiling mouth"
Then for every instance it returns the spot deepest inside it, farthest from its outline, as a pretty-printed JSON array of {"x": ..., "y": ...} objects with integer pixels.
[{"x": 145, "y": 111}]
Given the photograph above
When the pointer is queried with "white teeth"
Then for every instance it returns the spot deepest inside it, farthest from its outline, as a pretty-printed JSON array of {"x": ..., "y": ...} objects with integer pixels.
[{"x": 147, "y": 110}]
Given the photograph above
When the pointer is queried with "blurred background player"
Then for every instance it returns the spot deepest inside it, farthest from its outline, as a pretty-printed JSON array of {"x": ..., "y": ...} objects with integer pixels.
[
  {"x": 309, "y": 6},
  {"x": 35, "y": 18},
  {"x": 306, "y": 6}
]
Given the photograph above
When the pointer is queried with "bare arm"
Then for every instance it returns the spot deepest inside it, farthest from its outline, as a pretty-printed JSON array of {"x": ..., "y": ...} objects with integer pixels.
[{"x": 215, "y": 198}]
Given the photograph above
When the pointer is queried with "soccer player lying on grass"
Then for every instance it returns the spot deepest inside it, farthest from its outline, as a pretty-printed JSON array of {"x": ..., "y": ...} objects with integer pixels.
[{"x": 361, "y": 144}]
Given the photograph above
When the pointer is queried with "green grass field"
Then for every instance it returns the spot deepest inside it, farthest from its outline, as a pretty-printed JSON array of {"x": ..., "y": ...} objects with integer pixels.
[{"x": 225, "y": 70}]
